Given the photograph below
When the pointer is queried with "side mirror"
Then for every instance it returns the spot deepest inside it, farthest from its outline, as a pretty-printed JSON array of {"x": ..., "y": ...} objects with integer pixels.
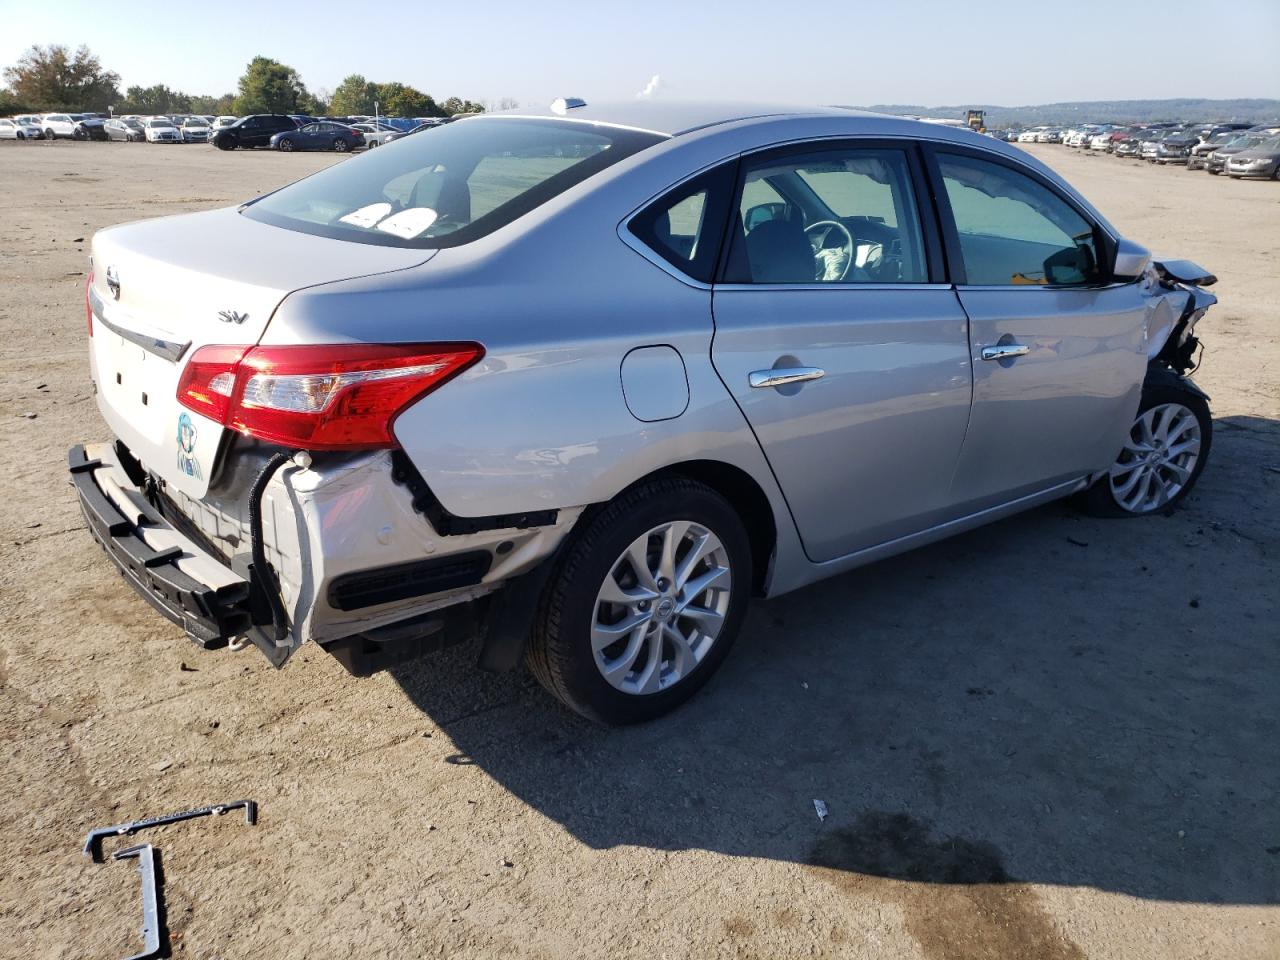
[
  {"x": 1131, "y": 260},
  {"x": 762, "y": 213}
]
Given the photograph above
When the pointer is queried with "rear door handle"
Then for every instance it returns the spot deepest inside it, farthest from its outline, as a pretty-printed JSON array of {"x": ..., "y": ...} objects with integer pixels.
[
  {"x": 1003, "y": 351},
  {"x": 784, "y": 376}
]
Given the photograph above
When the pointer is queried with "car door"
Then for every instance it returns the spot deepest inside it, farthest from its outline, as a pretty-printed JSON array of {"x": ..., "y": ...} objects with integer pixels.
[
  {"x": 1058, "y": 348},
  {"x": 841, "y": 342}
]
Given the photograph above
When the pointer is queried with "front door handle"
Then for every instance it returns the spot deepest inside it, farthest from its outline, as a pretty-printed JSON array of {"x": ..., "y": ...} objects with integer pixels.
[
  {"x": 784, "y": 376},
  {"x": 1005, "y": 351}
]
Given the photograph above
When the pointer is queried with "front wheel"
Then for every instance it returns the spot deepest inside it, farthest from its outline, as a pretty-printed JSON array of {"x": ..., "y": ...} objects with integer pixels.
[
  {"x": 644, "y": 604},
  {"x": 1163, "y": 456},
  {"x": 285, "y": 145}
]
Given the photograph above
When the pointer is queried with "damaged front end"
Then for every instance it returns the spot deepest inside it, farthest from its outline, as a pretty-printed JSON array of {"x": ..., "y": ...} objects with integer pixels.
[{"x": 1177, "y": 301}]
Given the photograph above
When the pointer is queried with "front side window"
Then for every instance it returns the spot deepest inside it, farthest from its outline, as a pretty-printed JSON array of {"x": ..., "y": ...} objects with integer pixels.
[
  {"x": 844, "y": 215},
  {"x": 1015, "y": 231},
  {"x": 448, "y": 186}
]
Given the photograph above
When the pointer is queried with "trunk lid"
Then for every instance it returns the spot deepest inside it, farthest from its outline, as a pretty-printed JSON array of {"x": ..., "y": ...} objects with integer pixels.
[{"x": 164, "y": 288}]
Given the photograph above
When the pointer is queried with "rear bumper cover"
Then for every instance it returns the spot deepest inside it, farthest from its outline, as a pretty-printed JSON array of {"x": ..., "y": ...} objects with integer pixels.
[{"x": 211, "y": 615}]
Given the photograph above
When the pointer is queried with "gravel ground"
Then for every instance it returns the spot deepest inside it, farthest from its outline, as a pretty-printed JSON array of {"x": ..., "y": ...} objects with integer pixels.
[{"x": 1052, "y": 738}]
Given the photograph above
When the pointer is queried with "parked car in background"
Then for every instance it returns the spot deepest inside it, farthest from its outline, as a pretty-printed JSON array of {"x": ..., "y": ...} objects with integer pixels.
[
  {"x": 195, "y": 130},
  {"x": 394, "y": 420},
  {"x": 252, "y": 131},
  {"x": 1259, "y": 162},
  {"x": 91, "y": 128},
  {"x": 31, "y": 126},
  {"x": 1049, "y": 136},
  {"x": 1031, "y": 135},
  {"x": 321, "y": 135},
  {"x": 1216, "y": 162},
  {"x": 1129, "y": 145},
  {"x": 219, "y": 123},
  {"x": 126, "y": 129},
  {"x": 161, "y": 130},
  {"x": 375, "y": 134},
  {"x": 9, "y": 130},
  {"x": 1176, "y": 147},
  {"x": 58, "y": 126},
  {"x": 1200, "y": 152}
]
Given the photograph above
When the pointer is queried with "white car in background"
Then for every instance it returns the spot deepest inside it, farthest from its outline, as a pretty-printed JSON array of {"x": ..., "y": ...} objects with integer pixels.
[
  {"x": 9, "y": 130},
  {"x": 220, "y": 123},
  {"x": 1030, "y": 136},
  {"x": 195, "y": 130},
  {"x": 58, "y": 125},
  {"x": 375, "y": 133},
  {"x": 161, "y": 130},
  {"x": 29, "y": 125}
]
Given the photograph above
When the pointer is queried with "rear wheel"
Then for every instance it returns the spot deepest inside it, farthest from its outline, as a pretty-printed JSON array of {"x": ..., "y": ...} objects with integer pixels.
[
  {"x": 1162, "y": 458},
  {"x": 341, "y": 145},
  {"x": 645, "y": 603}
]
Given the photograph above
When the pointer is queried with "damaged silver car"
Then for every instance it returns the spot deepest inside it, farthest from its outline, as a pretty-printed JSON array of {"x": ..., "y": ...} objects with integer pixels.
[{"x": 579, "y": 382}]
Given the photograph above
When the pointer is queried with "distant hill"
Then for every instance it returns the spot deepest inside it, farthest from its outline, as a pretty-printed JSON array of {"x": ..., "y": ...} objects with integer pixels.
[{"x": 1099, "y": 111}]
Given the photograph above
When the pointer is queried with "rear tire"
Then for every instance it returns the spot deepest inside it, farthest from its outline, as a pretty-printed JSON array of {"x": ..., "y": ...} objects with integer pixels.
[
  {"x": 1165, "y": 454},
  {"x": 666, "y": 655},
  {"x": 340, "y": 145}
]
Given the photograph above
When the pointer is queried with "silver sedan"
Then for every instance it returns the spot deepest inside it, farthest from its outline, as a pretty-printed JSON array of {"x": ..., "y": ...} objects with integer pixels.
[{"x": 582, "y": 381}]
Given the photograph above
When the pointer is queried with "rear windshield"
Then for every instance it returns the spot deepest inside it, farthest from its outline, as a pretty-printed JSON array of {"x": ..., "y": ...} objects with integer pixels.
[{"x": 449, "y": 185}]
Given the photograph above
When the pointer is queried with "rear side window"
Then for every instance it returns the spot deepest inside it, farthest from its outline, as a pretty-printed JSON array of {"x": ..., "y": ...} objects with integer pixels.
[
  {"x": 449, "y": 185},
  {"x": 685, "y": 227},
  {"x": 1013, "y": 230}
]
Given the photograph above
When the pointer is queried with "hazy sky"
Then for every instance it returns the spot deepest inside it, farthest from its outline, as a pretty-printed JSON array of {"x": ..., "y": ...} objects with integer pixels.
[{"x": 822, "y": 51}]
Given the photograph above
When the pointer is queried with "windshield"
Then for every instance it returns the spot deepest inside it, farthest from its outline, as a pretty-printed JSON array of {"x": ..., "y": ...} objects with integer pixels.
[
  {"x": 196, "y": 122},
  {"x": 450, "y": 185},
  {"x": 159, "y": 123}
]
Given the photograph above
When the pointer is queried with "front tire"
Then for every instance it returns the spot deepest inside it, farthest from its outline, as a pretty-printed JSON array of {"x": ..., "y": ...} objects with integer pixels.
[
  {"x": 644, "y": 604},
  {"x": 1163, "y": 456},
  {"x": 285, "y": 145}
]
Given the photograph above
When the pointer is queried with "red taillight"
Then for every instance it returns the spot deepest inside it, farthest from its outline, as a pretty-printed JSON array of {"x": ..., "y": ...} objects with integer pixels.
[
  {"x": 88, "y": 304},
  {"x": 332, "y": 397},
  {"x": 209, "y": 380}
]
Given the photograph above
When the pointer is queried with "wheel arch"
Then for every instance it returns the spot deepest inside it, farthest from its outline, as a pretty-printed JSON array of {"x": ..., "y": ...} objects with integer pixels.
[{"x": 746, "y": 497}]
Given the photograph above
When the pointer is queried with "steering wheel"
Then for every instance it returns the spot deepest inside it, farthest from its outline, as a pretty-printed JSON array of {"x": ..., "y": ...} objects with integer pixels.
[{"x": 818, "y": 233}]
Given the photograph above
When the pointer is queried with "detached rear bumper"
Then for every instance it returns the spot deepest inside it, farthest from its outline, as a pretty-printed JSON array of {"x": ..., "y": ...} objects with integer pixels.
[{"x": 150, "y": 554}]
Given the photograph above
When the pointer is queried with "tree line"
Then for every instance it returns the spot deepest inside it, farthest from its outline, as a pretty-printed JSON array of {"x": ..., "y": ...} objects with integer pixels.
[{"x": 55, "y": 78}]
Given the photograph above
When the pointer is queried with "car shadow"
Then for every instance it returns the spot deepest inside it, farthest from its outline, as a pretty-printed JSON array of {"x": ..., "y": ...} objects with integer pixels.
[{"x": 1051, "y": 699}]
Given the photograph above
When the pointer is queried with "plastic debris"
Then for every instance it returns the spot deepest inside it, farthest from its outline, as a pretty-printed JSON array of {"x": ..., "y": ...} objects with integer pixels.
[{"x": 820, "y": 808}]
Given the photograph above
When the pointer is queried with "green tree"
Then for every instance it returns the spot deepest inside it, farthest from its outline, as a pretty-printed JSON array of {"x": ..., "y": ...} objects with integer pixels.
[
  {"x": 269, "y": 86},
  {"x": 354, "y": 95},
  {"x": 156, "y": 99},
  {"x": 53, "y": 78},
  {"x": 9, "y": 104},
  {"x": 400, "y": 100}
]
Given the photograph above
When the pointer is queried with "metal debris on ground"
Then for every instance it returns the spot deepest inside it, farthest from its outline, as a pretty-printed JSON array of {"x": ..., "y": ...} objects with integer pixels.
[
  {"x": 152, "y": 921},
  {"x": 93, "y": 843}
]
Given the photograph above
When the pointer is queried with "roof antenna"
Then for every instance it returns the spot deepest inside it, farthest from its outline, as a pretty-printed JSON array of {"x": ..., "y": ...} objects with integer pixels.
[{"x": 565, "y": 104}]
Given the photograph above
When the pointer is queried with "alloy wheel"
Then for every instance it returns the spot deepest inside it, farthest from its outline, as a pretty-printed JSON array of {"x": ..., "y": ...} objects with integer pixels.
[
  {"x": 1158, "y": 459},
  {"x": 661, "y": 607}
]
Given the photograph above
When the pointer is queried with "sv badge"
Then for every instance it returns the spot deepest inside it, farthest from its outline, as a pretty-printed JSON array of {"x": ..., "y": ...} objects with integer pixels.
[{"x": 232, "y": 316}]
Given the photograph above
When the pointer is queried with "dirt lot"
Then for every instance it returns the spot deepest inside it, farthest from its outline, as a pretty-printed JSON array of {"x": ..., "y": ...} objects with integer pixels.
[{"x": 1051, "y": 738}]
